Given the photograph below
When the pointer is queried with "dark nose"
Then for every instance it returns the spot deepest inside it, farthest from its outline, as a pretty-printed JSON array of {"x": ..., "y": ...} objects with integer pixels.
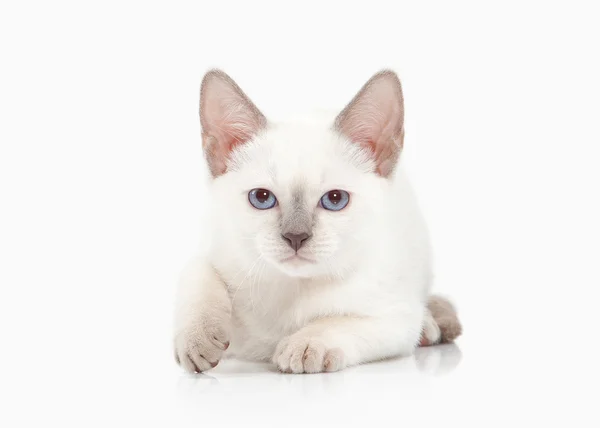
[{"x": 295, "y": 240}]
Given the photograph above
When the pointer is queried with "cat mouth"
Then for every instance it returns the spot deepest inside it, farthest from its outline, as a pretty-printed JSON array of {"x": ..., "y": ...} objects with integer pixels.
[{"x": 297, "y": 258}]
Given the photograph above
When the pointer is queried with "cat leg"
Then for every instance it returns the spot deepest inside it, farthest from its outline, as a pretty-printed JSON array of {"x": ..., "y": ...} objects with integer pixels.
[
  {"x": 333, "y": 343},
  {"x": 203, "y": 318},
  {"x": 441, "y": 323}
]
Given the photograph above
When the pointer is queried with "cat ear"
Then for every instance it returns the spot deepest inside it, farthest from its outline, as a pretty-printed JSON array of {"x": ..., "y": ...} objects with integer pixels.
[
  {"x": 228, "y": 118},
  {"x": 375, "y": 120}
]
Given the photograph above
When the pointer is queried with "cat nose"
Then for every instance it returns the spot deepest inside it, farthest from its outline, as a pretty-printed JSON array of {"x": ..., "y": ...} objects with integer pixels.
[{"x": 295, "y": 240}]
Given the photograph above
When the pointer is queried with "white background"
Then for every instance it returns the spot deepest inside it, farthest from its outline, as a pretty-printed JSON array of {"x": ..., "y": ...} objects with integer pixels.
[{"x": 102, "y": 188}]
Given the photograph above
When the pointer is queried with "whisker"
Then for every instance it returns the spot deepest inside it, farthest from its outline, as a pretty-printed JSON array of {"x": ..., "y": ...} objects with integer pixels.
[{"x": 245, "y": 278}]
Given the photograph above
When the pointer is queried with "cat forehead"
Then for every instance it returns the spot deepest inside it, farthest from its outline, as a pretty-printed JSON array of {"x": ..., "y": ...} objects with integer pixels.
[
  {"x": 295, "y": 153},
  {"x": 300, "y": 140}
]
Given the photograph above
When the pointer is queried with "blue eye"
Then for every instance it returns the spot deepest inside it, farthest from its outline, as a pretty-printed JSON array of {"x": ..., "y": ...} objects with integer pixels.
[
  {"x": 262, "y": 199},
  {"x": 335, "y": 200}
]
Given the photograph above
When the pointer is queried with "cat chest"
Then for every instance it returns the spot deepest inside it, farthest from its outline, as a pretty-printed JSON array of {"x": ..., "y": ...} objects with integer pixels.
[{"x": 276, "y": 311}]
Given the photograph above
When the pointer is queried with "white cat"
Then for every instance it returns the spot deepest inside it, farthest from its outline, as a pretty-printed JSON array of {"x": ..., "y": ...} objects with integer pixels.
[{"x": 319, "y": 257}]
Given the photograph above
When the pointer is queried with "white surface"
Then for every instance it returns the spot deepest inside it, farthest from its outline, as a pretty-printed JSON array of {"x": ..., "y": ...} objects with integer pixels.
[{"x": 101, "y": 190}]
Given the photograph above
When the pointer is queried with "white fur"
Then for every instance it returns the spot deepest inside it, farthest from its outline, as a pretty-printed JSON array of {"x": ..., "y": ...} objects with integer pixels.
[{"x": 362, "y": 299}]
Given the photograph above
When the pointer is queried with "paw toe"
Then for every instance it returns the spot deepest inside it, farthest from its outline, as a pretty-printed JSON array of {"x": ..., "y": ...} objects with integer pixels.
[
  {"x": 201, "y": 364},
  {"x": 307, "y": 355},
  {"x": 334, "y": 360},
  {"x": 313, "y": 358}
]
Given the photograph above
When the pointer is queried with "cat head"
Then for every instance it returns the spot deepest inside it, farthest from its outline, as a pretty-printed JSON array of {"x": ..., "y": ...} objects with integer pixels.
[{"x": 304, "y": 195}]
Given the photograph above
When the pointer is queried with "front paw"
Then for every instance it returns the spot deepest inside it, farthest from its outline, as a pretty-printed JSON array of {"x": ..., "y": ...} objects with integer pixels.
[
  {"x": 307, "y": 354},
  {"x": 200, "y": 345}
]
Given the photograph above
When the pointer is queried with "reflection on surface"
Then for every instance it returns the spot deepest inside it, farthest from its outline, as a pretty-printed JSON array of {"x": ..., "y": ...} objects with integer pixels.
[
  {"x": 438, "y": 360},
  {"x": 233, "y": 377}
]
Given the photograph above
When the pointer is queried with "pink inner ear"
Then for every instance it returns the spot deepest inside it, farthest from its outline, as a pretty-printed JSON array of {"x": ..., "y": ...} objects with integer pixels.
[
  {"x": 231, "y": 134},
  {"x": 228, "y": 119},
  {"x": 370, "y": 145},
  {"x": 219, "y": 144},
  {"x": 374, "y": 119}
]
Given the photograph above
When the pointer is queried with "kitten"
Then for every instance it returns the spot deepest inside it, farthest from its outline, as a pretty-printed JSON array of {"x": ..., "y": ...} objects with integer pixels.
[{"x": 320, "y": 258}]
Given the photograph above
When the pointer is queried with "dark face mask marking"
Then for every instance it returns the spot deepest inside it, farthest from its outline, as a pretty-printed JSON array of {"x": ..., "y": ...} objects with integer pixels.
[{"x": 297, "y": 219}]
